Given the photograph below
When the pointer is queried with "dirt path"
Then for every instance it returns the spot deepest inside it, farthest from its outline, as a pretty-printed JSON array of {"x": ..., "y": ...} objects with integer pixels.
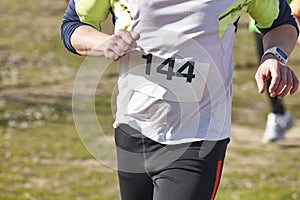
[{"x": 251, "y": 136}]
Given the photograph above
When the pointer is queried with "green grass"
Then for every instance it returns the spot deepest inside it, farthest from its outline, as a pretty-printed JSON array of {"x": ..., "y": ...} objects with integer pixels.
[{"x": 42, "y": 155}]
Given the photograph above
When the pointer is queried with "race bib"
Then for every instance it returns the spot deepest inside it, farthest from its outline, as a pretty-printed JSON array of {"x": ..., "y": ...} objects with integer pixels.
[{"x": 173, "y": 79}]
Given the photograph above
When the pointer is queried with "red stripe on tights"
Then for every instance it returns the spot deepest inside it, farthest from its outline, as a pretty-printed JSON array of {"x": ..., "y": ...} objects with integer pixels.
[{"x": 218, "y": 173}]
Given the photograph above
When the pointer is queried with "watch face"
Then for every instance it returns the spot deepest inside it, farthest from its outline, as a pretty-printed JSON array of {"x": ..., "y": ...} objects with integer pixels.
[{"x": 281, "y": 53}]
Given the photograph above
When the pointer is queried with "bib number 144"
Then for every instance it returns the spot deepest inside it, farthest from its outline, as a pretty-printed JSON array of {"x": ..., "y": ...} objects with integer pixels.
[{"x": 167, "y": 68}]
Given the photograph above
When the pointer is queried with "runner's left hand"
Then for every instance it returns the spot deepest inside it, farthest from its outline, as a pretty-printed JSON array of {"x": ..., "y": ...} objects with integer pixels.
[{"x": 283, "y": 80}]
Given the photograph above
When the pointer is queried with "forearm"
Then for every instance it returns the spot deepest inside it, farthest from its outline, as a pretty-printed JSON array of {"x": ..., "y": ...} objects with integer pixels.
[
  {"x": 88, "y": 41},
  {"x": 283, "y": 78},
  {"x": 283, "y": 37}
]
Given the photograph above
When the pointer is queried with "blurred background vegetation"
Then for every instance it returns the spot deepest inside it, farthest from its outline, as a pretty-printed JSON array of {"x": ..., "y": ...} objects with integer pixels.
[{"x": 42, "y": 156}]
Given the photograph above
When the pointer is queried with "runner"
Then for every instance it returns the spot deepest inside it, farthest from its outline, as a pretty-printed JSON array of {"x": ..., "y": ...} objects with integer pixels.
[
  {"x": 295, "y": 5},
  {"x": 175, "y": 84},
  {"x": 278, "y": 120}
]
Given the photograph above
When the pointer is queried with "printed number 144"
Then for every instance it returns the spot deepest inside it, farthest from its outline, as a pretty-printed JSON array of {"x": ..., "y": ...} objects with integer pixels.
[{"x": 167, "y": 68}]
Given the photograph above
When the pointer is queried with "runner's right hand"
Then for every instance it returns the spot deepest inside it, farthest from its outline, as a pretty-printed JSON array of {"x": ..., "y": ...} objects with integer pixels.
[{"x": 119, "y": 44}]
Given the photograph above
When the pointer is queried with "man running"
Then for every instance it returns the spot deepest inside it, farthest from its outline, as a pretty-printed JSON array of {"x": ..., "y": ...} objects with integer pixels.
[{"x": 175, "y": 64}]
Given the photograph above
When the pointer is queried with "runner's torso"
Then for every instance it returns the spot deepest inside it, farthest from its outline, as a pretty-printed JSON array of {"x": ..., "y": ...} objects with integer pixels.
[{"x": 199, "y": 31}]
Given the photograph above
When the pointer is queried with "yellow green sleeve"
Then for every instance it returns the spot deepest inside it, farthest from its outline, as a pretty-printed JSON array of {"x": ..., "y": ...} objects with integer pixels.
[
  {"x": 92, "y": 12},
  {"x": 264, "y": 12}
]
